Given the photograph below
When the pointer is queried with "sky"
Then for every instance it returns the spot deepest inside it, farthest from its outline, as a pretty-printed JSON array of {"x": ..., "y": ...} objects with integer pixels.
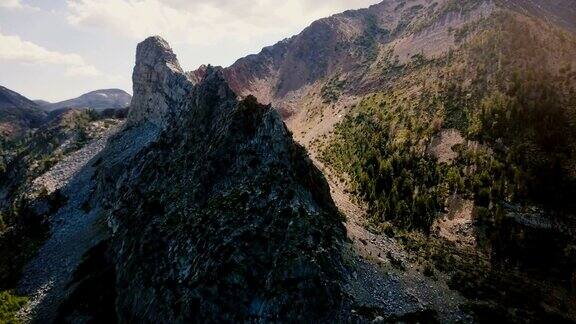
[{"x": 59, "y": 49}]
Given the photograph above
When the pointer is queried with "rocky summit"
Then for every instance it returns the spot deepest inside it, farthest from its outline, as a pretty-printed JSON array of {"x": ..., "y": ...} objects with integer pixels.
[
  {"x": 159, "y": 83},
  {"x": 256, "y": 235},
  {"x": 214, "y": 214}
]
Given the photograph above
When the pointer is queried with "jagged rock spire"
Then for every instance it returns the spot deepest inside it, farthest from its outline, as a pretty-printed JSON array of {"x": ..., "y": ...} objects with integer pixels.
[{"x": 159, "y": 83}]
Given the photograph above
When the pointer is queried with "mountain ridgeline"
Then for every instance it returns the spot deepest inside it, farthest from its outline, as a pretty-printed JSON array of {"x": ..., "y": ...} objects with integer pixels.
[
  {"x": 350, "y": 53},
  {"x": 96, "y": 100},
  {"x": 18, "y": 114}
]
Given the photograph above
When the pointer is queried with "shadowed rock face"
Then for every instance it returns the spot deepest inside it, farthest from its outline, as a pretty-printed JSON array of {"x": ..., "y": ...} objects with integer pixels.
[{"x": 223, "y": 217}]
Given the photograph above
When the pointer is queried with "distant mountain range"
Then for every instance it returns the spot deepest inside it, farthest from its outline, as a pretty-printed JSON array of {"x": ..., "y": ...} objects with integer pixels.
[
  {"x": 19, "y": 114},
  {"x": 97, "y": 100}
]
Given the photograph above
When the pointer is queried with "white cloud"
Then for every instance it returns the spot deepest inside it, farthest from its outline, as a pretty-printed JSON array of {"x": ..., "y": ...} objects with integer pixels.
[
  {"x": 15, "y": 4},
  {"x": 10, "y": 4},
  {"x": 203, "y": 21},
  {"x": 84, "y": 70},
  {"x": 13, "y": 48}
]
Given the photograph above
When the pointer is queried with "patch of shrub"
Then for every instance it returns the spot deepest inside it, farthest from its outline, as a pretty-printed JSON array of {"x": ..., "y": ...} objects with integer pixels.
[{"x": 10, "y": 304}]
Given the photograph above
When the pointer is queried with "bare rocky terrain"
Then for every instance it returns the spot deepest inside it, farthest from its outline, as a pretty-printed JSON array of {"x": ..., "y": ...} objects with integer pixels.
[{"x": 74, "y": 230}]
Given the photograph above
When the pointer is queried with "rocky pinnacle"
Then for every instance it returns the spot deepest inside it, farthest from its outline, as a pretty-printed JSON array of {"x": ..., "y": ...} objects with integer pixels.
[{"x": 159, "y": 83}]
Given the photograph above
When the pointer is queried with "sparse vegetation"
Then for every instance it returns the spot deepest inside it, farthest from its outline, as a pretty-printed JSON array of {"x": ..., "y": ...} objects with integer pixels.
[
  {"x": 517, "y": 117},
  {"x": 400, "y": 184},
  {"x": 332, "y": 90},
  {"x": 10, "y": 304},
  {"x": 523, "y": 118}
]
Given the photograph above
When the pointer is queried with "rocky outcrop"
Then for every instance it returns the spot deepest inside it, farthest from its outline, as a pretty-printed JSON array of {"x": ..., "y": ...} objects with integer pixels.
[
  {"x": 221, "y": 216},
  {"x": 197, "y": 75},
  {"x": 159, "y": 83},
  {"x": 226, "y": 220}
]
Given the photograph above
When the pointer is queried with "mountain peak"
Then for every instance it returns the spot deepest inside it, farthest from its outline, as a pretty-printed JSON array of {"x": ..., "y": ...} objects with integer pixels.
[
  {"x": 159, "y": 82},
  {"x": 156, "y": 50},
  {"x": 97, "y": 100}
]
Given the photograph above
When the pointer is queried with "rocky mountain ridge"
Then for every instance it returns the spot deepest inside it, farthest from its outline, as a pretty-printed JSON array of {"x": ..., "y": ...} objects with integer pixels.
[
  {"x": 19, "y": 115},
  {"x": 340, "y": 58},
  {"x": 215, "y": 123},
  {"x": 213, "y": 251},
  {"x": 213, "y": 213},
  {"x": 342, "y": 51}
]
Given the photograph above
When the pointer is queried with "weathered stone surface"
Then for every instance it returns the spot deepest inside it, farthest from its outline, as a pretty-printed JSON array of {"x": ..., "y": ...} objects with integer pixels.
[
  {"x": 159, "y": 83},
  {"x": 222, "y": 217}
]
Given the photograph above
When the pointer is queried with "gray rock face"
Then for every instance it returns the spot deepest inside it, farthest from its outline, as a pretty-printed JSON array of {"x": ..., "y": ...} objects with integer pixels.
[
  {"x": 222, "y": 217},
  {"x": 159, "y": 83}
]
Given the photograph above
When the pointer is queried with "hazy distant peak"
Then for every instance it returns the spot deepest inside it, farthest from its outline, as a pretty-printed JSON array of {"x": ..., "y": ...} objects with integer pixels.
[{"x": 97, "y": 100}]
